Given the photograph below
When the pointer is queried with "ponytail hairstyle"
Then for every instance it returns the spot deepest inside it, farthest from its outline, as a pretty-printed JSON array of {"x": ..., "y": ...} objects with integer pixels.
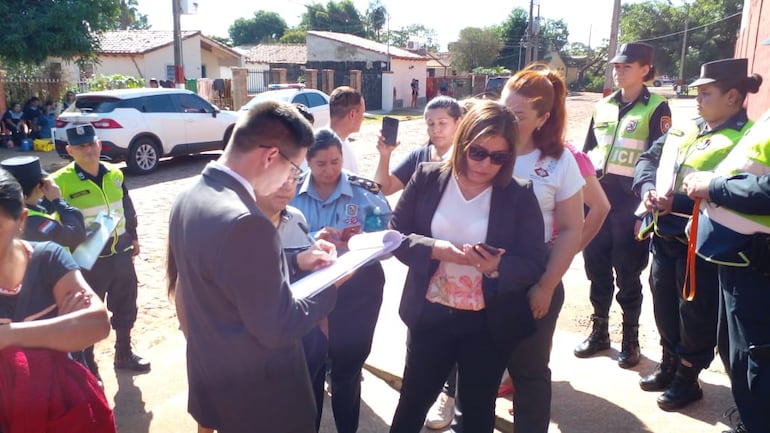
[
  {"x": 547, "y": 93},
  {"x": 651, "y": 74},
  {"x": 743, "y": 85}
]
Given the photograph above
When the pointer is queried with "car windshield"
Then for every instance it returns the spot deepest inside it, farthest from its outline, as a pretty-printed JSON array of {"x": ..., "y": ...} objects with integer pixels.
[{"x": 90, "y": 104}]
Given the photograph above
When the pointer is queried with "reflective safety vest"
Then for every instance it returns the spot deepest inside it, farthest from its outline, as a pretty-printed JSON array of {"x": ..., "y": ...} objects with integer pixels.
[
  {"x": 619, "y": 143},
  {"x": 724, "y": 234},
  {"x": 685, "y": 152},
  {"x": 34, "y": 212},
  {"x": 91, "y": 198}
]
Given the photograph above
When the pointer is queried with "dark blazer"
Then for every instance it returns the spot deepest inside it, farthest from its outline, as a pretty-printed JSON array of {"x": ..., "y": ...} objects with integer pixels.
[
  {"x": 515, "y": 223},
  {"x": 245, "y": 363}
]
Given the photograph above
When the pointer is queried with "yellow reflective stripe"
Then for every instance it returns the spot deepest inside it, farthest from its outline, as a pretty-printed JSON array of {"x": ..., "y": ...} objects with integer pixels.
[
  {"x": 623, "y": 156},
  {"x": 733, "y": 220},
  {"x": 743, "y": 264}
]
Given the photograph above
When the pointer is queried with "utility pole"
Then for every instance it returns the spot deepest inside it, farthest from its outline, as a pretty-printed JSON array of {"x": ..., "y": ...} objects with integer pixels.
[
  {"x": 178, "y": 64},
  {"x": 536, "y": 47},
  {"x": 530, "y": 34},
  {"x": 612, "y": 48},
  {"x": 684, "y": 43}
]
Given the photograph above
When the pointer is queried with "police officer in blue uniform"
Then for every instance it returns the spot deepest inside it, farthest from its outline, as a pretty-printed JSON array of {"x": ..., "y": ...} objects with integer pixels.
[
  {"x": 94, "y": 187},
  {"x": 688, "y": 327},
  {"x": 733, "y": 231},
  {"x": 52, "y": 219},
  {"x": 338, "y": 204},
  {"x": 624, "y": 125}
]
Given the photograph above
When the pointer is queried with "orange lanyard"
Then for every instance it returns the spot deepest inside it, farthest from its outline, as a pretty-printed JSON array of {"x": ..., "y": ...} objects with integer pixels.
[{"x": 688, "y": 291}]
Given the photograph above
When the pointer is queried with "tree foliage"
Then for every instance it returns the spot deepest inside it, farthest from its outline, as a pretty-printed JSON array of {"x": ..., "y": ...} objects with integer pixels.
[
  {"x": 69, "y": 29},
  {"x": 427, "y": 37},
  {"x": 262, "y": 27},
  {"x": 130, "y": 17},
  {"x": 712, "y": 34},
  {"x": 293, "y": 36},
  {"x": 512, "y": 31},
  {"x": 376, "y": 18},
  {"x": 476, "y": 47},
  {"x": 340, "y": 17}
]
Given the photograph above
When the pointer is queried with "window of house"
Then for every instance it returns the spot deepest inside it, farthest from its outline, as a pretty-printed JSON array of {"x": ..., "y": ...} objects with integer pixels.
[{"x": 86, "y": 71}]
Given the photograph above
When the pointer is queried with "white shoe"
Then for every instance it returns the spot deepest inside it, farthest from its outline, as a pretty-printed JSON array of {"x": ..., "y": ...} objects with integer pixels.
[{"x": 441, "y": 413}]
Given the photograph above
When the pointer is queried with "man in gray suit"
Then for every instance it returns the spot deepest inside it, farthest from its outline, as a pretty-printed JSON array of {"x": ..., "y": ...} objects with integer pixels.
[{"x": 245, "y": 364}]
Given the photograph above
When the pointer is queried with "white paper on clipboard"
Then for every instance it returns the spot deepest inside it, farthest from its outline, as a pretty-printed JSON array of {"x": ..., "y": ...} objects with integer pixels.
[
  {"x": 364, "y": 247},
  {"x": 97, "y": 235}
]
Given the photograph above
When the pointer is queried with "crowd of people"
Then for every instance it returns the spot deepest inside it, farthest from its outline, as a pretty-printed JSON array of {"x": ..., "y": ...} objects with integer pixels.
[{"x": 480, "y": 304}]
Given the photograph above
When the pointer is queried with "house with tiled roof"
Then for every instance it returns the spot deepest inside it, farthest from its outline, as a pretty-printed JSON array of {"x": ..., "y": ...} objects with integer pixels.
[
  {"x": 262, "y": 58},
  {"x": 150, "y": 54},
  {"x": 386, "y": 71}
]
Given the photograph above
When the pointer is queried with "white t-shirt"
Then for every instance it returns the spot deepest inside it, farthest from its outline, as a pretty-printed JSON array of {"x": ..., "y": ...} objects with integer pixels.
[
  {"x": 553, "y": 180},
  {"x": 455, "y": 285},
  {"x": 349, "y": 161}
]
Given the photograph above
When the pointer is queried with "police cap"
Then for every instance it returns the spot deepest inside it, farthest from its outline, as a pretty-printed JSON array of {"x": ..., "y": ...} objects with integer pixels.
[
  {"x": 81, "y": 134},
  {"x": 26, "y": 170},
  {"x": 634, "y": 52},
  {"x": 728, "y": 70}
]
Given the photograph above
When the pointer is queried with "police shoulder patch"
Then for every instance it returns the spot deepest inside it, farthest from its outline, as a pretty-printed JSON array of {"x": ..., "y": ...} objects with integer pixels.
[{"x": 367, "y": 184}]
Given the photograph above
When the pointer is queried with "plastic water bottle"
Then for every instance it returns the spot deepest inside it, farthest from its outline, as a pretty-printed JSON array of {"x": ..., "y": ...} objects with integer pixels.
[{"x": 374, "y": 221}]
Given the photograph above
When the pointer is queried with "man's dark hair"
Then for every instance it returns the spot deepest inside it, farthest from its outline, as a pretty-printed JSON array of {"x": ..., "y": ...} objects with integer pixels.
[
  {"x": 342, "y": 100},
  {"x": 272, "y": 124}
]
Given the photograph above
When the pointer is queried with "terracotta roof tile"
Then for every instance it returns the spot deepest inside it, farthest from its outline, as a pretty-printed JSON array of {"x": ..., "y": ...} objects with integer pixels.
[
  {"x": 366, "y": 44},
  {"x": 137, "y": 41},
  {"x": 277, "y": 53}
]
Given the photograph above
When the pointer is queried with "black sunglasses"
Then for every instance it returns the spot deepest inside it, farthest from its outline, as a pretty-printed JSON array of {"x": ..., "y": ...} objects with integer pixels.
[{"x": 478, "y": 154}]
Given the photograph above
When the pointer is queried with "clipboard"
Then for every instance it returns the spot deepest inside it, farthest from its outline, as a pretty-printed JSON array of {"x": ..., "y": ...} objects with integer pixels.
[
  {"x": 97, "y": 234},
  {"x": 363, "y": 248}
]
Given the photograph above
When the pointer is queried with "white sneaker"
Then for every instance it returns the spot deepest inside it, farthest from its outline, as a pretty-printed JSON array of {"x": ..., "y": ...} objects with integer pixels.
[{"x": 441, "y": 413}]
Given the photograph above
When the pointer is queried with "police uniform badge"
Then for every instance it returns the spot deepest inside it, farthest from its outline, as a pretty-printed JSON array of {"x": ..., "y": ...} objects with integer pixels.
[
  {"x": 703, "y": 144},
  {"x": 46, "y": 227},
  {"x": 367, "y": 184},
  {"x": 632, "y": 125},
  {"x": 351, "y": 210}
]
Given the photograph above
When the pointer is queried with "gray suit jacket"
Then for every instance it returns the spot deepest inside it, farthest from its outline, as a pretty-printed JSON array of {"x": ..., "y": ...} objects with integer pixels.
[{"x": 245, "y": 364}]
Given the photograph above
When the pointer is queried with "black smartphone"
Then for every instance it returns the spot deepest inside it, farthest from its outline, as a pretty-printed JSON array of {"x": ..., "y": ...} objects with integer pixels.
[
  {"x": 390, "y": 130},
  {"x": 488, "y": 248}
]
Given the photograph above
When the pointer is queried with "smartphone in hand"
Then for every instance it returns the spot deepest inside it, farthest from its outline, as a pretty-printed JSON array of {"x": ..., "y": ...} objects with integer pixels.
[
  {"x": 390, "y": 130},
  {"x": 486, "y": 247}
]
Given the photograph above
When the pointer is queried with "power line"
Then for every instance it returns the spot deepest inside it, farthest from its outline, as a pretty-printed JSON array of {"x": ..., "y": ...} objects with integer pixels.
[{"x": 691, "y": 29}]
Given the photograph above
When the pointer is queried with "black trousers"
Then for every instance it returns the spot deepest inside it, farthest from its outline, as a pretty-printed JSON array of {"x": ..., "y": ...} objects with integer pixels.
[
  {"x": 528, "y": 367},
  {"x": 446, "y": 336},
  {"x": 686, "y": 328},
  {"x": 115, "y": 278},
  {"x": 747, "y": 303},
  {"x": 351, "y": 329},
  {"x": 614, "y": 248}
]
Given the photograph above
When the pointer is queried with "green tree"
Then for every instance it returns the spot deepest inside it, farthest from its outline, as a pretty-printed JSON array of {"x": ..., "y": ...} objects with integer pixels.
[
  {"x": 417, "y": 32},
  {"x": 130, "y": 17},
  {"x": 340, "y": 17},
  {"x": 262, "y": 27},
  {"x": 376, "y": 17},
  {"x": 476, "y": 47},
  {"x": 221, "y": 40},
  {"x": 35, "y": 30},
  {"x": 512, "y": 31},
  {"x": 554, "y": 36},
  {"x": 713, "y": 31},
  {"x": 293, "y": 36}
]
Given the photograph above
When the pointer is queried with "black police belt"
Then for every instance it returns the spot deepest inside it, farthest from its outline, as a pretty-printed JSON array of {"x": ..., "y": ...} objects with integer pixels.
[{"x": 759, "y": 253}]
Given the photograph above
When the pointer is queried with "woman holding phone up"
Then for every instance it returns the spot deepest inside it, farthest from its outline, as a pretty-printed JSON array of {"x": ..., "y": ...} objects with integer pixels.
[{"x": 462, "y": 304}]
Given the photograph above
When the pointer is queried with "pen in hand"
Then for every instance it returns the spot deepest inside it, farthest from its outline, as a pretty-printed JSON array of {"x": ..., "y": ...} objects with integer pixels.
[{"x": 306, "y": 231}]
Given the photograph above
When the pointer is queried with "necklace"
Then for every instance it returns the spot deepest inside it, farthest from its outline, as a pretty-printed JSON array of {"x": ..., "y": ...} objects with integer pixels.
[{"x": 15, "y": 290}]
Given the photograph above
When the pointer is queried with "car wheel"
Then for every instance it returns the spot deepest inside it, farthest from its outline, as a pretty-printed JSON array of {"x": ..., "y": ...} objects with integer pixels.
[
  {"x": 143, "y": 156},
  {"x": 656, "y": 83}
]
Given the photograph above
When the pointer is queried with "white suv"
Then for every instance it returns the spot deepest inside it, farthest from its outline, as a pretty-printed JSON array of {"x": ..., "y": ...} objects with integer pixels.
[
  {"x": 316, "y": 101},
  {"x": 140, "y": 126}
]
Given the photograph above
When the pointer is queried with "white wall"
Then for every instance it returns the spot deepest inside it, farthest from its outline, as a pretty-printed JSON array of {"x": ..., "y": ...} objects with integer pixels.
[
  {"x": 402, "y": 78},
  {"x": 324, "y": 50}
]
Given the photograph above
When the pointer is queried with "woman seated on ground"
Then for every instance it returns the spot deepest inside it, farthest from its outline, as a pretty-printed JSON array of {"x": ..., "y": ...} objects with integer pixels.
[
  {"x": 46, "y": 310},
  {"x": 462, "y": 303}
]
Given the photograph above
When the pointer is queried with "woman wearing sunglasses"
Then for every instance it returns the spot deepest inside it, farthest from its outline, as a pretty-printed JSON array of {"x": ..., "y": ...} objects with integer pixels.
[{"x": 474, "y": 246}]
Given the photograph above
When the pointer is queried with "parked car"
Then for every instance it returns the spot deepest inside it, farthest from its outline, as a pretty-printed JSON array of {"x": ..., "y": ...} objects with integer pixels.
[
  {"x": 315, "y": 100},
  {"x": 494, "y": 85},
  {"x": 139, "y": 126},
  {"x": 664, "y": 80}
]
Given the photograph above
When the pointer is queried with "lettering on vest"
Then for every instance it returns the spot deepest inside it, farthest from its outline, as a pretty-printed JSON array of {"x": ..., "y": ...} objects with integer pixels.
[{"x": 80, "y": 194}]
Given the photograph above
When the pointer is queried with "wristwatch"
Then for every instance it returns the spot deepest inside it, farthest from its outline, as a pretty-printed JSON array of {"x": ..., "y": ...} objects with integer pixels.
[{"x": 493, "y": 274}]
